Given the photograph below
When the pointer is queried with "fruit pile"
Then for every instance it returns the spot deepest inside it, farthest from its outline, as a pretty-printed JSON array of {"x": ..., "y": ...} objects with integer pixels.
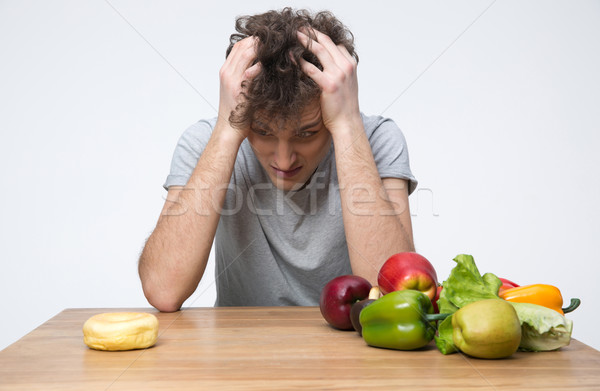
[{"x": 481, "y": 315}]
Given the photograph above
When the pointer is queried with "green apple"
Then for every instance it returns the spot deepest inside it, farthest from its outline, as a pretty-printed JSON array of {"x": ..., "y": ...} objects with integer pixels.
[{"x": 487, "y": 329}]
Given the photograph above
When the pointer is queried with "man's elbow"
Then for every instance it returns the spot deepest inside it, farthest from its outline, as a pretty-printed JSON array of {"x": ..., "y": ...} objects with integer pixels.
[
  {"x": 167, "y": 306},
  {"x": 156, "y": 294},
  {"x": 163, "y": 302}
]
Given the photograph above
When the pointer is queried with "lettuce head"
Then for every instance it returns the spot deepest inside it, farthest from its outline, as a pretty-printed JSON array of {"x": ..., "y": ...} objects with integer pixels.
[{"x": 542, "y": 328}]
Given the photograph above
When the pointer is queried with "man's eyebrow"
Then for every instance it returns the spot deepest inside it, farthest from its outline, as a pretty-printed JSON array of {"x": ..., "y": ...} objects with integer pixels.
[
  {"x": 262, "y": 125},
  {"x": 317, "y": 122}
]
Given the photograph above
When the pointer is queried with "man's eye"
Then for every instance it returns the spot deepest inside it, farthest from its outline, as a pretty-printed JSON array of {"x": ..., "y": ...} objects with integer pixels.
[
  {"x": 260, "y": 132},
  {"x": 305, "y": 134}
]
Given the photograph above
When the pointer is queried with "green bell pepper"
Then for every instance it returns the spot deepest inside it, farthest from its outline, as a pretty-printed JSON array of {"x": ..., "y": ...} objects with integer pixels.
[{"x": 402, "y": 320}]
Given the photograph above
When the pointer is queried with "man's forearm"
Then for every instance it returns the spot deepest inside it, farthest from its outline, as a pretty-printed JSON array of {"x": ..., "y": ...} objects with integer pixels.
[
  {"x": 175, "y": 255},
  {"x": 374, "y": 229}
]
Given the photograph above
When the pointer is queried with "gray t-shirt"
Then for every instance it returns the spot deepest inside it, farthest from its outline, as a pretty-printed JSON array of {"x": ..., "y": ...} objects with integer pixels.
[{"x": 281, "y": 248}]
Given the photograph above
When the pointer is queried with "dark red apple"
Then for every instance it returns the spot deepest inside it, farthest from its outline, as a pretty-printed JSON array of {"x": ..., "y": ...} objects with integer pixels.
[
  {"x": 355, "y": 313},
  {"x": 338, "y": 296},
  {"x": 357, "y": 307},
  {"x": 408, "y": 271}
]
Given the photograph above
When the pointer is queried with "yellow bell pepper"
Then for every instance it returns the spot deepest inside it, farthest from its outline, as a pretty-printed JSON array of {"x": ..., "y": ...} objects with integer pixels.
[{"x": 541, "y": 294}]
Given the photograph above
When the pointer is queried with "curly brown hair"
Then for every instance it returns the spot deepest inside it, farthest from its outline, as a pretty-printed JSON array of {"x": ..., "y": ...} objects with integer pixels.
[{"x": 281, "y": 90}]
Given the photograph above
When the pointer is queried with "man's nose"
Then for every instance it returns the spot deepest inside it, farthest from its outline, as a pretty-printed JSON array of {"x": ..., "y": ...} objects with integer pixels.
[{"x": 285, "y": 156}]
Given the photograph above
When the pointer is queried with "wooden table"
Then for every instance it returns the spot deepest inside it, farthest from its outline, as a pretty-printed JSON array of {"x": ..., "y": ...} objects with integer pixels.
[{"x": 271, "y": 348}]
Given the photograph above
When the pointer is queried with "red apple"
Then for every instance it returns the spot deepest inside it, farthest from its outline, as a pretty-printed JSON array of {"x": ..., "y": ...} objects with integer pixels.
[
  {"x": 338, "y": 296},
  {"x": 408, "y": 271}
]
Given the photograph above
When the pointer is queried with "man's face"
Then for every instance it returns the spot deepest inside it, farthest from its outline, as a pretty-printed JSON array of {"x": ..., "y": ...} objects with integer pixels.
[{"x": 291, "y": 153}]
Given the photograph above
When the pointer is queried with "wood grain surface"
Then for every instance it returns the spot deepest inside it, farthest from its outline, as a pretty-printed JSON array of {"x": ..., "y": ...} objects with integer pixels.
[{"x": 270, "y": 348}]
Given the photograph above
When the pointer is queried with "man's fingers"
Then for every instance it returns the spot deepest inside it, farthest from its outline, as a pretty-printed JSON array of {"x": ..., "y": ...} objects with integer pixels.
[
  {"x": 325, "y": 41},
  {"x": 242, "y": 55},
  {"x": 253, "y": 71},
  {"x": 322, "y": 53},
  {"x": 313, "y": 72},
  {"x": 240, "y": 46},
  {"x": 346, "y": 54}
]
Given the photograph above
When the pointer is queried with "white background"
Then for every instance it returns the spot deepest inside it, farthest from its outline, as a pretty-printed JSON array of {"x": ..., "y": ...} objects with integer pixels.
[{"x": 499, "y": 108}]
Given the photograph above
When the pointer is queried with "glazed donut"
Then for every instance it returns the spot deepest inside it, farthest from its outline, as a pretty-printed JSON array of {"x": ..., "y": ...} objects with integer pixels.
[{"x": 120, "y": 331}]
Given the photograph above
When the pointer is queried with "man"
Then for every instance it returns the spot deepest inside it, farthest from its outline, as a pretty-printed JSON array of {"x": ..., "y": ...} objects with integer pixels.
[{"x": 291, "y": 181}]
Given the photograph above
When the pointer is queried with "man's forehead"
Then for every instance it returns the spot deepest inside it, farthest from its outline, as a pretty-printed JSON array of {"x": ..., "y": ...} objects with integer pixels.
[{"x": 310, "y": 115}]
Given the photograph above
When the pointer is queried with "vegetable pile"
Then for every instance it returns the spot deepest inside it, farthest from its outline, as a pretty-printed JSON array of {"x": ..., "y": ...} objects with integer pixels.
[{"x": 481, "y": 315}]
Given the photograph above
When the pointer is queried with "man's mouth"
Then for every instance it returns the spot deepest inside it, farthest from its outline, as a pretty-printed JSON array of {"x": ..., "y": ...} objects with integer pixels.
[{"x": 286, "y": 174}]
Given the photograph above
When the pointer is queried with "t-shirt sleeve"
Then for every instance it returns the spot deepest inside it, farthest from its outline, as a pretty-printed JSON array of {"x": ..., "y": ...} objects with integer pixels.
[
  {"x": 190, "y": 146},
  {"x": 389, "y": 149}
]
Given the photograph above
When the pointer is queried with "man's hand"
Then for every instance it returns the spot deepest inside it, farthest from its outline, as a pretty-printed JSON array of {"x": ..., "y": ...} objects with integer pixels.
[
  {"x": 175, "y": 255},
  {"x": 236, "y": 69},
  {"x": 338, "y": 82},
  {"x": 356, "y": 169}
]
